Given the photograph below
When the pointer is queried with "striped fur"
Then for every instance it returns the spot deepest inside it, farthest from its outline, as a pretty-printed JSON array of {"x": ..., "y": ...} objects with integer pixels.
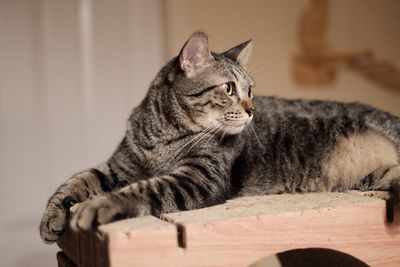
[{"x": 199, "y": 138}]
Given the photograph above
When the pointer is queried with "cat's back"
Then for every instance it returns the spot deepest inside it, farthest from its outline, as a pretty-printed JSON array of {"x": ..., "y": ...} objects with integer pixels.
[
  {"x": 314, "y": 117},
  {"x": 305, "y": 108}
]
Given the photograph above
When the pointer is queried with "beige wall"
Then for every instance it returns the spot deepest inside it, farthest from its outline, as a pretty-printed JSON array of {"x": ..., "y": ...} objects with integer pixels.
[{"x": 354, "y": 25}]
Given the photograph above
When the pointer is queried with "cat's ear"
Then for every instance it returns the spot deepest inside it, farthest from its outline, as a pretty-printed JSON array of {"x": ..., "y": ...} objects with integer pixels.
[
  {"x": 240, "y": 53},
  {"x": 195, "y": 54}
]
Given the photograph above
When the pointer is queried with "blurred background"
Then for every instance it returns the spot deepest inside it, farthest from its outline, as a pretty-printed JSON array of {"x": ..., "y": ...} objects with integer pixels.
[{"x": 71, "y": 71}]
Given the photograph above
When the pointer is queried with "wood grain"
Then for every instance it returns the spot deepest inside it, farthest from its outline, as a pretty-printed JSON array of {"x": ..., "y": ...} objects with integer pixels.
[{"x": 242, "y": 231}]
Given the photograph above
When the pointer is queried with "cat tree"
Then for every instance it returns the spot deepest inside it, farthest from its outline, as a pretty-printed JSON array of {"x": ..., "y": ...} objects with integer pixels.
[{"x": 244, "y": 230}]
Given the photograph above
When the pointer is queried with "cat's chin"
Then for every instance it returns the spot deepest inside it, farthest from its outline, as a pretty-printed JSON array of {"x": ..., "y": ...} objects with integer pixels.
[{"x": 234, "y": 129}]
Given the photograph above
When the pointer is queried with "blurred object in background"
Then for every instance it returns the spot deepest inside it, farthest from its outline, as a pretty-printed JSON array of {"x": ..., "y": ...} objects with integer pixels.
[
  {"x": 381, "y": 71},
  {"x": 318, "y": 63}
]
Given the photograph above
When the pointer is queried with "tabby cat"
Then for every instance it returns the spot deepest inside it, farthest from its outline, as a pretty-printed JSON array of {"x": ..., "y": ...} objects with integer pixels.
[{"x": 199, "y": 137}]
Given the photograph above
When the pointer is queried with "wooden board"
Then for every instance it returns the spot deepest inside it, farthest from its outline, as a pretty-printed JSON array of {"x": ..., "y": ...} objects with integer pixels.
[
  {"x": 145, "y": 241},
  {"x": 242, "y": 231}
]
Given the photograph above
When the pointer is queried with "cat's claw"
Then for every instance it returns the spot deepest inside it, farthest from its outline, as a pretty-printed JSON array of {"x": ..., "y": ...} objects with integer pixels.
[
  {"x": 53, "y": 222},
  {"x": 57, "y": 213}
]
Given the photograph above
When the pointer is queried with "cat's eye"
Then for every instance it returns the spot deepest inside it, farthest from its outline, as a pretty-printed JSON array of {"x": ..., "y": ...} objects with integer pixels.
[{"x": 228, "y": 88}]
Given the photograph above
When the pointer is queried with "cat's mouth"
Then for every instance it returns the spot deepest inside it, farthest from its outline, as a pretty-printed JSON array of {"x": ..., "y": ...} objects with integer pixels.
[{"x": 223, "y": 125}]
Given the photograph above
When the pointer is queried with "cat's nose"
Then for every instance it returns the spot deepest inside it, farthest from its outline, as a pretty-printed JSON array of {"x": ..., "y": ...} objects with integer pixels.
[
  {"x": 249, "y": 111},
  {"x": 248, "y": 107}
]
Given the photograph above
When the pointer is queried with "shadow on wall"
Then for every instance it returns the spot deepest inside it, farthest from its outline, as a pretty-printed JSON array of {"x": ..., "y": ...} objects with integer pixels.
[{"x": 310, "y": 257}]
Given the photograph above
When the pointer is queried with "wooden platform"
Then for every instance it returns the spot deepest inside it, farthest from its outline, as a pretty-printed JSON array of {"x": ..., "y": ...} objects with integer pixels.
[{"x": 242, "y": 231}]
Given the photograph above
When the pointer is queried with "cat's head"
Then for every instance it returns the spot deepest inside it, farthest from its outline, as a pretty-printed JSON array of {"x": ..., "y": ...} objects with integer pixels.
[{"x": 214, "y": 88}]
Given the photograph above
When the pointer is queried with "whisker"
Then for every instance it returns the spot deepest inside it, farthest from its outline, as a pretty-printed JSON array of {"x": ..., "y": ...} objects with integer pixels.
[
  {"x": 255, "y": 71},
  {"x": 222, "y": 125},
  {"x": 204, "y": 134},
  {"x": 250, "y": 69},
  {"x": 225, "y": 132},
  {"x": 197, "y": 138},
  {"x": 256, "y": 136},
  {"x": 258, "y": 140}
]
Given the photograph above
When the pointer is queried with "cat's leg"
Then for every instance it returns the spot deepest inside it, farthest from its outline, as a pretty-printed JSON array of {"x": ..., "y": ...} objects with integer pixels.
[
  {"x": 190, "y": 186},
  {"x": 383, "y": 178},
  {"x": 78, "y": 188},
  {"x": 357, "y": 156}
]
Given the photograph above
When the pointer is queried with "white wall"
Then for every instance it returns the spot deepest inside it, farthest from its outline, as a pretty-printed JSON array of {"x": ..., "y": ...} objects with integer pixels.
[{"x": 70, "y": 72}]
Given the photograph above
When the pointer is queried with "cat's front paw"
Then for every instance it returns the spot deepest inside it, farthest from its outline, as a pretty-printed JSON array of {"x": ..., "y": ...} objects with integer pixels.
[
  {"x": 54, "y": 219},
  {"x": 100, "y": 210}
]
